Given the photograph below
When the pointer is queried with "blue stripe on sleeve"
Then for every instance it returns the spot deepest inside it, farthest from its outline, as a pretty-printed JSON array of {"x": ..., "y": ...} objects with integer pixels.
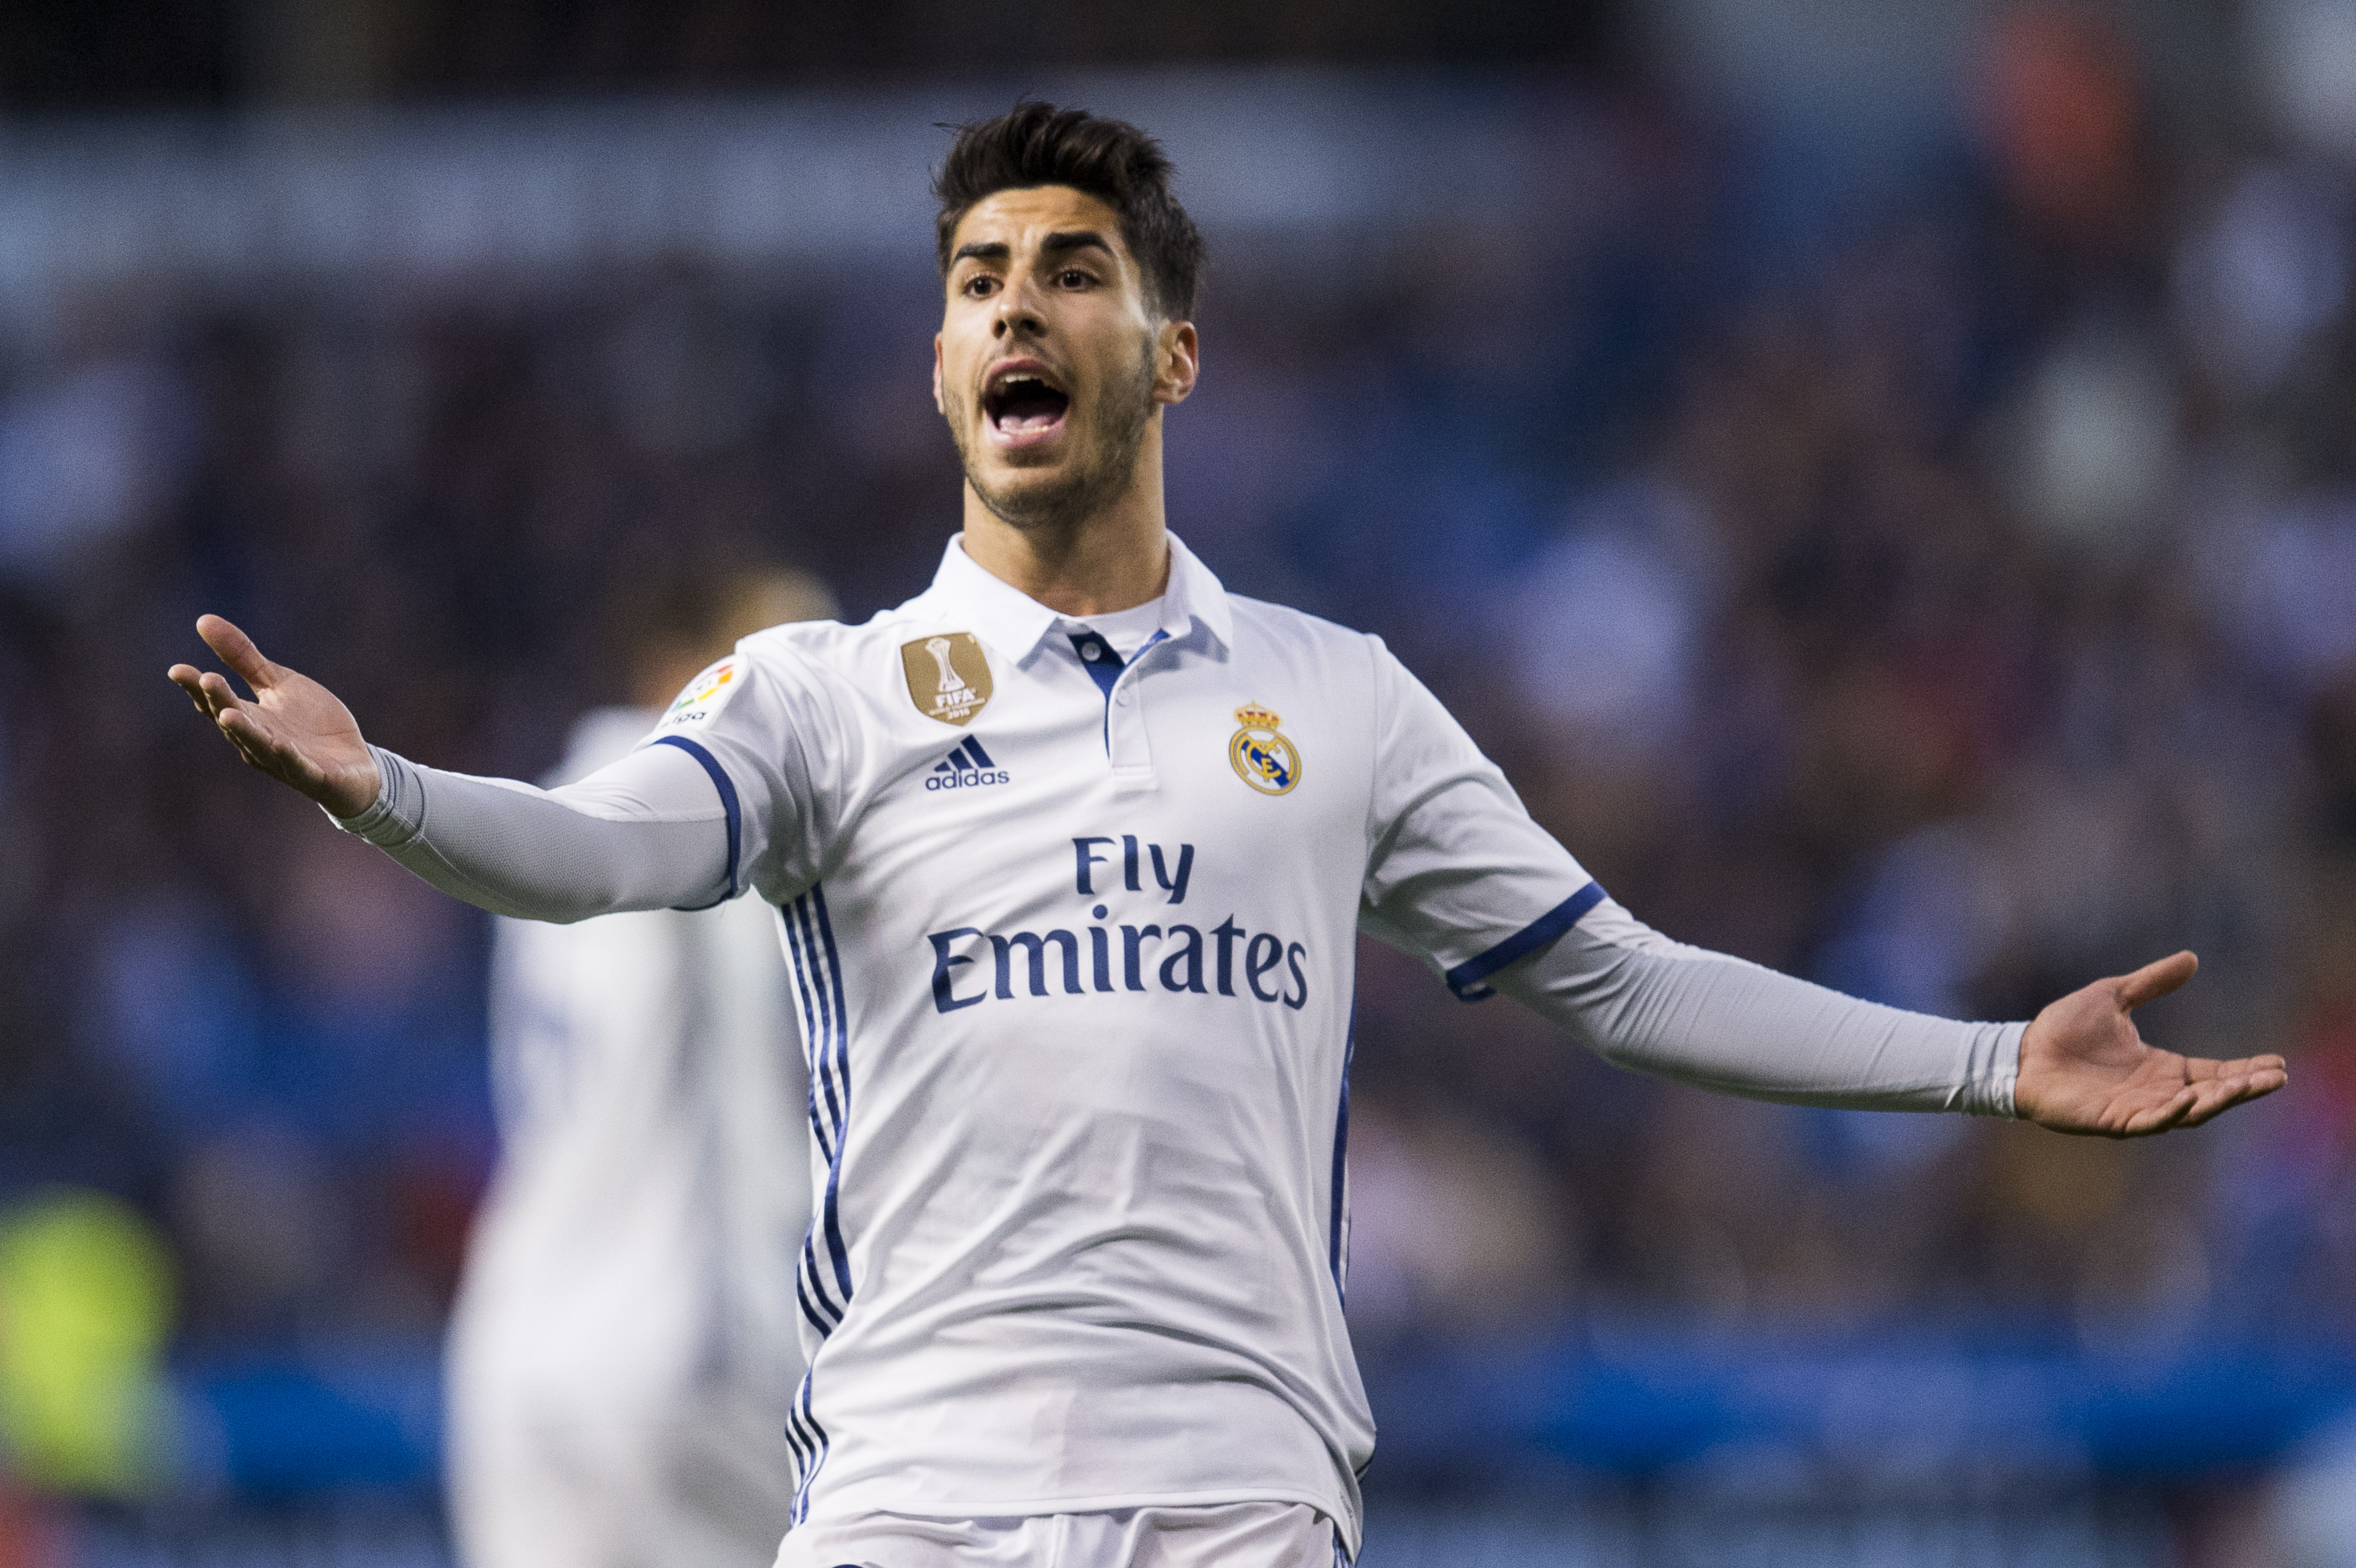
[
  {"x": 727, "y": 789},
  {"x": 1466, "y": 977}
]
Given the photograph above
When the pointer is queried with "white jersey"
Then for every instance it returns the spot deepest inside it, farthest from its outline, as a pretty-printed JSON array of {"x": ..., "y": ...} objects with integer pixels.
[
  {"x": 622, "y": 1350},
  {"x": 1073, "y": 940},
  {"x": 1072, "y": 935}
]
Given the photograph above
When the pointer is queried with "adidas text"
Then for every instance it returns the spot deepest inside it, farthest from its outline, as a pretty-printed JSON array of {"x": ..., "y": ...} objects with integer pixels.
[{"x": 967, "y": 767}]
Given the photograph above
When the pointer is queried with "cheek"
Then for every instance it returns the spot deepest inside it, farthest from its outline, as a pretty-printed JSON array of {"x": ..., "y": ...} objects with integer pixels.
[
  {"x": 950, "y": 373},
  {"x": 1115, "y": 350}
]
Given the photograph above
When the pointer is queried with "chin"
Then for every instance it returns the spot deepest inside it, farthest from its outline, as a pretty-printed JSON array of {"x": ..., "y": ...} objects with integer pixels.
[
  {"x": 1038, "y": 498},
  {"x": 1027, "y": 505},
  {"x": 1020, "y": 464}
]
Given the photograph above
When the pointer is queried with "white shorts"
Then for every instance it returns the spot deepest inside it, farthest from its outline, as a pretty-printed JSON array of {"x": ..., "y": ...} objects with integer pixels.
[{"x": 1224, "y": 1535}]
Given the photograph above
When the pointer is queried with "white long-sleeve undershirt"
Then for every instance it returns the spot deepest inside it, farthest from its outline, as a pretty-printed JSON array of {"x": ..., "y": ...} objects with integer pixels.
[
  {"x": 646, "y": 832},
  {"x": 650, "y": 832},
  {"x": 1640, "y": 1001}
]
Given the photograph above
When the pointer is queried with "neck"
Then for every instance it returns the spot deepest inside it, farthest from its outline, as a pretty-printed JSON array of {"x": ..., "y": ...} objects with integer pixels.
[{"x": 1115, "y": 558}]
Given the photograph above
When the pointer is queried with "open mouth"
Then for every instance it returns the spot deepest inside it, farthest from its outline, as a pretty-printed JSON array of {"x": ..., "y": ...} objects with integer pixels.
[{"x": 1021, "y": 403}]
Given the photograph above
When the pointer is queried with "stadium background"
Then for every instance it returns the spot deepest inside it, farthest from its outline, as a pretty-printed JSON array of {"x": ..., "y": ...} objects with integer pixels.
[{"x": 1882, "y": 479}]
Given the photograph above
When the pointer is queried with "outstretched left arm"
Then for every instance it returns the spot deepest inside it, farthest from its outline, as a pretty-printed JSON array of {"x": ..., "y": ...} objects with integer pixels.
[
  {"x": 1644, "y": 1002},
  {"x": 1454, "y": 860}
]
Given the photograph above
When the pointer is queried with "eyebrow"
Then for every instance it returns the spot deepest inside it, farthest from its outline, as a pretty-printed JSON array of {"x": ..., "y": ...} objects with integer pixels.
[
  {"x": 1074, "y": 240},
  {"x": 1058, "y": 241}
]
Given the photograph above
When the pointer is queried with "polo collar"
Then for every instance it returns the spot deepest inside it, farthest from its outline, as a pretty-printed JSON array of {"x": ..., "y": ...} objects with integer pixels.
[{"x": 1015, "y": 623}]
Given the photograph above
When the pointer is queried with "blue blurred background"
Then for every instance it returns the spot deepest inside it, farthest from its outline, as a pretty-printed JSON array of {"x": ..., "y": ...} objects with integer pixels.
[{"x": 1880, "y": 477}]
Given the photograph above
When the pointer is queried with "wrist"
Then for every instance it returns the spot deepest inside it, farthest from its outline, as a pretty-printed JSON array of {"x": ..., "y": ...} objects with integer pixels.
[
  {"x": 397, "y": 815},
  {"x": 357, "y": 789}
]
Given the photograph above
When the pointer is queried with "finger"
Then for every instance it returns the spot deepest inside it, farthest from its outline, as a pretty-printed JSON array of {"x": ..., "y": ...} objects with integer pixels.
[
  {"x": 2199, "y": 1068},
  {"x": 2223, "y": 1095},
  {"x": 241, "y": 727},
  {"x": 274, "y": 761},
  {"x": 2154, "y": 980},
  {"x": 191, "y": 680},
  {"x": 251, "y": 734},
  {"x": 237, "y": 651},
  {"x": 219, "y": 693},
  {"x": 266, "y": 749},
  {"x": 2161, "y": 1117},
  {"x": 2264, "y": 1081}
]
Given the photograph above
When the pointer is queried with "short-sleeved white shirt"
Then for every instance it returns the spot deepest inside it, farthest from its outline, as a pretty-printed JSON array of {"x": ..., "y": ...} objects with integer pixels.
[{"x": 1074, "y": 961}]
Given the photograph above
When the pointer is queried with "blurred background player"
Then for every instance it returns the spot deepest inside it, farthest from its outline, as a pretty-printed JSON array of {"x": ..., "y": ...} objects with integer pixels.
[{"x": 622, "y": 1350}]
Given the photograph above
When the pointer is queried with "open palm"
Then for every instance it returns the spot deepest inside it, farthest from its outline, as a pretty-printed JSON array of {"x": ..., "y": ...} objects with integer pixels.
[
  {"x": 2084, "y": 1069},
  {"x": 295, "y": 730}
]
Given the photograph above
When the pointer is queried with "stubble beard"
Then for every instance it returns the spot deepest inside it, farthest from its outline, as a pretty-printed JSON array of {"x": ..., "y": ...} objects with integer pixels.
[{"x": 1092, "y": 480}]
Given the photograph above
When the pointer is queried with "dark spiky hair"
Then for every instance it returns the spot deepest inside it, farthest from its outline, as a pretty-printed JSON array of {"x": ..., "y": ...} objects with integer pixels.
[{"x": 1038, "y": 144}]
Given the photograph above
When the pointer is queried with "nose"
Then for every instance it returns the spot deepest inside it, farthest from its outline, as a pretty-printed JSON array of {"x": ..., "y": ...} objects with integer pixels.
[{"x": 1017, "y": 315}]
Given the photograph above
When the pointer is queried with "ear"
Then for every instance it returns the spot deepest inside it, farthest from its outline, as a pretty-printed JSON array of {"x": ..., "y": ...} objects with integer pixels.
[
  {"x": 1177, "y": 360},
  {"x": 939, "y": 406}
]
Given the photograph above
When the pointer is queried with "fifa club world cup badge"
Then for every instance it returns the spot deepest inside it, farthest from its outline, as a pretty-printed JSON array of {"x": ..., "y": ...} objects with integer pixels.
[
  {"x": 949, "y": 678},
  {"x": 1263, "y": 757}
]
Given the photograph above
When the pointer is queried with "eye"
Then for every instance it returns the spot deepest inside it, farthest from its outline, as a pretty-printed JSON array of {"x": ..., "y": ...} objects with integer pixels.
[
  {"x": 1074, "y": 278},
  {"x": 982, "y": 286}
]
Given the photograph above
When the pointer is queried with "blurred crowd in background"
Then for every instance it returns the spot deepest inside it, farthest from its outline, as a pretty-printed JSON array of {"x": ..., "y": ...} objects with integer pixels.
[{"x": 1951, "y": 598}]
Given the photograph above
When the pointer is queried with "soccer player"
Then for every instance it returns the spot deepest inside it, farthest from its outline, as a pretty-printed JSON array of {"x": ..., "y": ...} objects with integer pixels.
[
  {"x": 622, "y": 1352},
  {"x": 1070, "y": 853}
]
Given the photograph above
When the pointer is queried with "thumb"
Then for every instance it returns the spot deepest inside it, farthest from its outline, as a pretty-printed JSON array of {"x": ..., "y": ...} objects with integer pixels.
[
  {"x": 2157, "y": 979},
  {"x": 237, "y": 651}
]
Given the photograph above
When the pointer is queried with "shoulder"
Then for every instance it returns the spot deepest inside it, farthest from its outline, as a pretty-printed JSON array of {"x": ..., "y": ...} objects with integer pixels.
[
  {"x": 780, "y": 672},
  {"x": 1299, "y": 640},
  {"x": 820, "y": 658},
  {"x": 857, "y": 675},
  {"x": 840, "y": 646},
  {"x": 818, "y": 650},
  {"x": 1285, "y": 627}
]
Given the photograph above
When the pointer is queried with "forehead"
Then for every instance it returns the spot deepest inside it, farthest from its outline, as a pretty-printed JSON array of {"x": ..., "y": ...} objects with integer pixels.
[{"x": 1013, "y": 217}]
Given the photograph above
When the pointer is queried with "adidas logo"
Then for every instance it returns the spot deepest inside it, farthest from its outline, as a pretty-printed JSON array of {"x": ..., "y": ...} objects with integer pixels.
[{"x": 967, "y": 767}]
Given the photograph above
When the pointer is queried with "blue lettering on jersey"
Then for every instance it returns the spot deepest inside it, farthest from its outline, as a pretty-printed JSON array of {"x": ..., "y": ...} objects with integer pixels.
[
  {"x": 967, "y": 766},
  {"x": 1188, "y": 959},
  {"x": 1084, "y": 880}
]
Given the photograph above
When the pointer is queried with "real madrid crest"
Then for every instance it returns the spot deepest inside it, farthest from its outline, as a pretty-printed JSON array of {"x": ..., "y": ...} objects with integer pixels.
[
  {"x": 949, "y": 678},
  {"x": 1262, "y": 756}
]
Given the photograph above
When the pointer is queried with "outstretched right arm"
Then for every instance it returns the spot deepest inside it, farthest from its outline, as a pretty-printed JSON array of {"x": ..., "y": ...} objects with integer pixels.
[{"x": 650, "y": 832}]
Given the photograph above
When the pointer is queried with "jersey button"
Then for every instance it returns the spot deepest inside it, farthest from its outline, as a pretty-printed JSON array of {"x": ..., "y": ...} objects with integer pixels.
[{"x": 1090, "y": 652}]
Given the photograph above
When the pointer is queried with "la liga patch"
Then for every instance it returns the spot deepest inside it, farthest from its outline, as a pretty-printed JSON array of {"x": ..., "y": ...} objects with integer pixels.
[{"x": 705, "y": 696}]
